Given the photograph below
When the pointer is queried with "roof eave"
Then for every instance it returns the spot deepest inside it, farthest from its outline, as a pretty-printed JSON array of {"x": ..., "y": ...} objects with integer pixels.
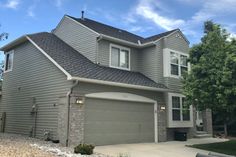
[
  {"x": 118, "y": 84},
  {"x": 14, "y": 43},
  {"x": 136, "y": 45}
]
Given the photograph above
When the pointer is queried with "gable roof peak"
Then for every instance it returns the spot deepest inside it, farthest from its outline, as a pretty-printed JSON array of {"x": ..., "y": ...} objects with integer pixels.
[{"x": 118, "y": 33}]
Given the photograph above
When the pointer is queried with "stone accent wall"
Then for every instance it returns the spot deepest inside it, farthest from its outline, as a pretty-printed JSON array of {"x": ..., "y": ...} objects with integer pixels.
[
  {"x": 162, "y": 122},
  {"x": 76, "y": 133},
  {"x": 207, "y": 121},
  {"x": 76, "y": 128}
]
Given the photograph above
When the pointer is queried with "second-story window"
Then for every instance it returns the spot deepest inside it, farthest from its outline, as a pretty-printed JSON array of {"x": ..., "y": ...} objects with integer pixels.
[
  {"x": 178, "y": 63},
  {"x": 175, "y": 63},
  {"x": 119, "y": 57}
]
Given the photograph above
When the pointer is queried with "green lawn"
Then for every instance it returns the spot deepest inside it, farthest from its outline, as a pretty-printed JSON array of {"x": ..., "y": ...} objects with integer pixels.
[{"x": 228, "y": 147}]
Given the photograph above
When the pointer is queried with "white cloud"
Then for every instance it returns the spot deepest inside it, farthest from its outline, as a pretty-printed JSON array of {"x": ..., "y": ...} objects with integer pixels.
[
  {"x": 219, "y": 11},
  {"x": 30, "y": 11},
  {"x": 162, "y": 21},
  {"x": 12, "y": 4},
  {"x": 58, "y": 3},
  {"x": 153, "y": 11},
  {"x": 215, "y": 9}
]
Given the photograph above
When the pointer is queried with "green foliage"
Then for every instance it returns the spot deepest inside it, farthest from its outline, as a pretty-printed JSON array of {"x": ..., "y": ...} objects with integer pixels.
[
  {"x": 211, "y": 82},
  {"x": 84, "y": 149},
  {"x": 3, "y": 35},
  {"x": 227, "y": 147}
]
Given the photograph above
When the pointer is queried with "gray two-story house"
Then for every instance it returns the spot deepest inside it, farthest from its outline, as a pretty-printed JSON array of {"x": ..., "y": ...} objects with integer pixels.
[{"x": 87, "y": 82}]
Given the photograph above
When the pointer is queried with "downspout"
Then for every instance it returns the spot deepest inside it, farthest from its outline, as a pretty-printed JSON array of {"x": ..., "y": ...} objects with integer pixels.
[
  {"x": 98, "y": 39},
  {"x": 68, "y": 111}
]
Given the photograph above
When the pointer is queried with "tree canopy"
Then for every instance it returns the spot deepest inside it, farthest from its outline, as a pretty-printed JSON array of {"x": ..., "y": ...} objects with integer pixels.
[
  {"x": 211, "y": 82},
  {"x": 3, "y": 35}
]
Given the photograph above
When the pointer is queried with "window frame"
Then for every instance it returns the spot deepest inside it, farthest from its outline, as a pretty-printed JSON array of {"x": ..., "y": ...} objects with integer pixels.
[
  {"x": 5, "y": 62},
  {"x": 179, "y": 54},
  {"x": 181, "y": 108},
  {"x": 175, "y": 108},
  {"x": 167, "y": 63},
  {"x": 120, "y": 48}
]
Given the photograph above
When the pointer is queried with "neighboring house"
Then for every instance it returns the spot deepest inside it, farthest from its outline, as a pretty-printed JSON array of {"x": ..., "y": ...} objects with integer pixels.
[{"x": 93, "y": 83}]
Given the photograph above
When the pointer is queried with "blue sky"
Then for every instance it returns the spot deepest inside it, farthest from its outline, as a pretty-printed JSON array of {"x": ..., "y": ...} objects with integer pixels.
[{"x": 142, "y": 17}]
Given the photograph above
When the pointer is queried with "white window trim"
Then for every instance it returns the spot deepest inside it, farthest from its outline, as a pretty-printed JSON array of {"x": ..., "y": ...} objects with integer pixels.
[
  {"x": 178, "y": 123},
  {"x": 119, "y": 47},
  {"x": 167, "y": 63},
  {"x": 10, "y": 52}
]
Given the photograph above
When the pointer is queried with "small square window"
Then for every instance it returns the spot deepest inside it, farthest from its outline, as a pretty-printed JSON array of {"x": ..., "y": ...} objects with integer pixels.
[
  {"x": 174, "y": 58},
  {"x": 124, "y": 59},
  {"x": 115, "y": 57},
  {"x": 183, "y": 60},
  {"x": 176, "y": 114},
  {"x": 8, "y": 61},
  {"x": 174, "y": 70},
  {"x": 175, "y": 102},
  {"x": 119, "y": 57}
]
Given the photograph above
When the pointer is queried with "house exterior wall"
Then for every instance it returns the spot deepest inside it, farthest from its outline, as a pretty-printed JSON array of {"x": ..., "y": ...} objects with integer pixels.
[
  {"x": 80, "y": 38},
  {"x": 174, "y": 42},
  {"x": 33, "y": 80},
  {"x": 148, "y": 64},
  {"x": 104, "y": 54}
]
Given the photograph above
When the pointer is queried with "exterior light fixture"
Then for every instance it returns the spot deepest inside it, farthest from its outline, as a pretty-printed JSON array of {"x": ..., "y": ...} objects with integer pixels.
[
  {"x": 79, "y": 100},
  {"x": 163, "y": 108}
]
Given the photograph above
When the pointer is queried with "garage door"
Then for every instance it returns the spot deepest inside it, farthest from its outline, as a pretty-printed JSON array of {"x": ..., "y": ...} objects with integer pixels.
[{"x": 118, "y": 122}]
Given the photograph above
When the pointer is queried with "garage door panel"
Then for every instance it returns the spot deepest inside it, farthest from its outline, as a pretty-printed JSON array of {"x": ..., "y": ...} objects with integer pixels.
[
  {"x": 118, "y": 128},
  {"x": 116, "y": 122}
]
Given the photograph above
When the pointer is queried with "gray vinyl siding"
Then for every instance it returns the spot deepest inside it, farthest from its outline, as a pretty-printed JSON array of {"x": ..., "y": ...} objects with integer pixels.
[
  {"x": 86, "y": 88},
  {"x": 181, "y": 45},
  {"x": 33, "y": 75},
  {"x": 178, "y": 44},
  {"x": 148, "y": 62},
  {"x": 80, "y": 38},
  {"x": 104, "y": 54},
  {"x": 151, "y": 62}
]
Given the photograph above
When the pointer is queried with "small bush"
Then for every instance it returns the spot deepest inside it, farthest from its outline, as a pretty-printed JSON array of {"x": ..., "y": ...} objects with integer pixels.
[{"x": 84, "y": 149}]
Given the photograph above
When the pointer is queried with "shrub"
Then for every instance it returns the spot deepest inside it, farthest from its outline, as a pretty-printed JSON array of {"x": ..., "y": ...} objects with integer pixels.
[{"x": 84, "y": 149}]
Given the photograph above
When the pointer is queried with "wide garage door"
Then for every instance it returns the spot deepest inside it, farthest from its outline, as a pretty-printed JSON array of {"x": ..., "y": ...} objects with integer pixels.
[{"x": 118, "y": 122}]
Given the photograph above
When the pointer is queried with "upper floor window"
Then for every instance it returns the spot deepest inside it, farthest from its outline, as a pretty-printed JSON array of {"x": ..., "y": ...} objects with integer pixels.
[
  {"x": 8, "y": 61},
  {"x": 119, "y": 57},
  {"x": 175, "y": 63}
]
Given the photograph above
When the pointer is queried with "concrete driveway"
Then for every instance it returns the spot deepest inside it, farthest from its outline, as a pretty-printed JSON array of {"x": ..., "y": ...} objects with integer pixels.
[{"x": 164, "y": 149}]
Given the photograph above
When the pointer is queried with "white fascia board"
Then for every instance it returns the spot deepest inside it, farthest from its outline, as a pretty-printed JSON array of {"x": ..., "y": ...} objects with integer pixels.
[
  {"x": 52, "y": 60},
  {"x": 103, "y": 36},
  {"x": 14, "y": 43},
  {"x": 82, "y": 25},
  {"x": 118, "y": 84}
]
